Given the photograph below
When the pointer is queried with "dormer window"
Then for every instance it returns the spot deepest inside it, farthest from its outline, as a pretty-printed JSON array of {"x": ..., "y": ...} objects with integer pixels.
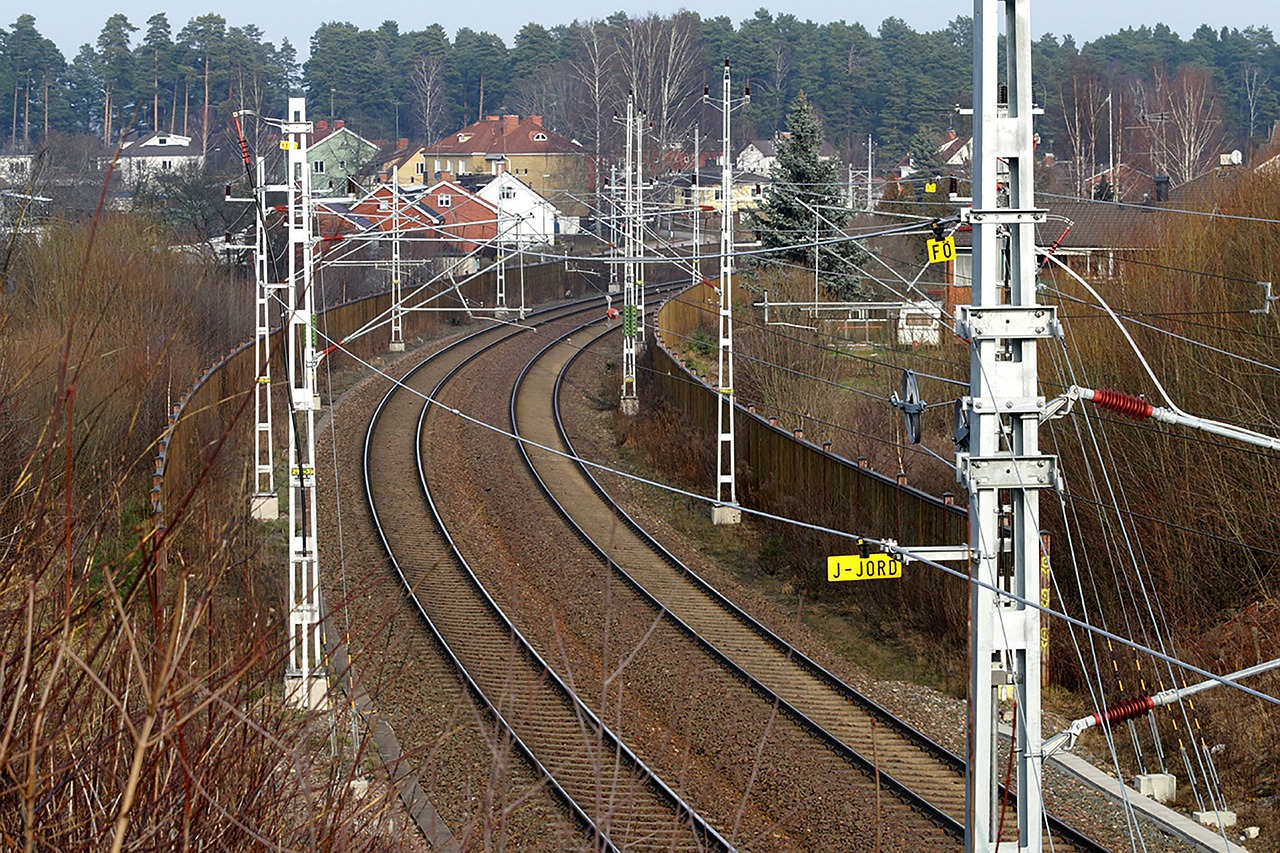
[
  {"x": 463, "y": 137},
  {"x": 164, "y": 140},
  {"x": 539, "y": 137}
]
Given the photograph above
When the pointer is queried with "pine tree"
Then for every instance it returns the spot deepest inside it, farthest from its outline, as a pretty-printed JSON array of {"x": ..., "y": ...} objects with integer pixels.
[{"x": 802, "y": 182}]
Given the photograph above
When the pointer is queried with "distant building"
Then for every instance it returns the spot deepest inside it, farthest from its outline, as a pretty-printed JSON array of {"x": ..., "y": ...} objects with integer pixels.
[
  {"x": 524, "y": 217},
  {"x": 335, "y": 155},
  {"x": 154, "y": 155},
  {"x": 705, "y": 190},
  {"x": 552, "y": 165},
  {"x": 16, "y": 168},
  {"x": 759, "y": 155}
]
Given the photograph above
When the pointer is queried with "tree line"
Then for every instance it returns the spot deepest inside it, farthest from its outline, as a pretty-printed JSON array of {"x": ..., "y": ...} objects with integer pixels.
[{"x": 1146, "y": 89}]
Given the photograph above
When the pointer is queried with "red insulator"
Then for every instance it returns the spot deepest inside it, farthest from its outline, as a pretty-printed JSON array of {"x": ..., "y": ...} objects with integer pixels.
[
  {"x": 1125, "y": 709},
  {"x": 1125, "y": 404}
]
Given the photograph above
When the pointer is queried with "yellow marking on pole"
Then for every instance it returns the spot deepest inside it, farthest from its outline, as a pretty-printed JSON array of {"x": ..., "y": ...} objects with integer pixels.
[
  {"x": 941, "y": 251},
  {"x": 854, "y": 567}
]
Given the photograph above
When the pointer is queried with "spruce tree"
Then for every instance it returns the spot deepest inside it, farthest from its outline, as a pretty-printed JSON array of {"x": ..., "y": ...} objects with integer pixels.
[{"x": 800, "y": 183}]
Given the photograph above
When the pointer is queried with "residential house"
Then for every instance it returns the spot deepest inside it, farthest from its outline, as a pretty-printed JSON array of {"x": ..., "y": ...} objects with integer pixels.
[
  {"x": 524, "y": 217},
  {"x": 552, "y": 165},
  {"x": 706, "y": 192},
  {"x": 759, "y": 155},
  {"x": 156, "y": 154},
  {"x": 467, "y": 221},
  {"x": 16, "y": 168},
  {"x": 955, "y": 152},
  {"x": 336, "y": 154}
]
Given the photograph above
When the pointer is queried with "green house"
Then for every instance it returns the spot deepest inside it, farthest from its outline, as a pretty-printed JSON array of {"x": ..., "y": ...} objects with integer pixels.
[{"x": 336, "y": 154}]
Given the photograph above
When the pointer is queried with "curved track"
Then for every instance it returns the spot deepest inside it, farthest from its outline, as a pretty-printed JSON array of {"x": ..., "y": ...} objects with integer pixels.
[
  {"x": 621, "y": 802},
  {"x": 609, "y": 789},
  {"x": 917, "y": 770}
]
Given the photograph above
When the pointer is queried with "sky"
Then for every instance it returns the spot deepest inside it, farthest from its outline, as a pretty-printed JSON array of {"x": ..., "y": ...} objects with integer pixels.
[{"x": 69, "y": 24}]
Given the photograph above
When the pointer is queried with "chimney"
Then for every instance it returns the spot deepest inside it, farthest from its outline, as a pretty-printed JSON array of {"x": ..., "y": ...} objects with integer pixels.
[
  {"x": 1049, "y": 160},
  {"x": 536, "y": 120},
  {"x": 339, "y": 124},
  {"x": 446, "y": 176},
  {"x": 509, "y": 123},
  {"x": 402, "y": 143},
  {"x": 321, "y": 126},
  {"x": 490, "y": 118},
  {"x": 1162, "y": 188}
]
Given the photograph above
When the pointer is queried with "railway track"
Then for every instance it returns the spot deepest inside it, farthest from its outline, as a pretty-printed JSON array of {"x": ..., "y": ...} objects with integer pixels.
[
  {"x": 918, "y": 771},
  {"x": 611, "y": 791},
  {"x": 614, "y": 795}
]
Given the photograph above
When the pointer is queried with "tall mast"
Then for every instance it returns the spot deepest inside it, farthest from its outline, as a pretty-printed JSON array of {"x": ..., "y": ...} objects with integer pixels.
[
  {"x": 305, "y": 685},
  {"x": 1003, "y": 468}
]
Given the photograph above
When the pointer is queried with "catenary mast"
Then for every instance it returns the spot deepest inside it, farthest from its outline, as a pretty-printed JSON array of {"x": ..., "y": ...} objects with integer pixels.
[
  {"x": 1003, "y": 468},
  {"x": 305, "y": 685}
]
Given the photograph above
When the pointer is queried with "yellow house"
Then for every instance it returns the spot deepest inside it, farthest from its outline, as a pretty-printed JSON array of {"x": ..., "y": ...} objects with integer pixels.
[{"x": 554, "y": 166}]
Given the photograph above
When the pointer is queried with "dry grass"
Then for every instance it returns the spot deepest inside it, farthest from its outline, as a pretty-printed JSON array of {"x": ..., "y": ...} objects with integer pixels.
[{"x": 140, "y": 670}]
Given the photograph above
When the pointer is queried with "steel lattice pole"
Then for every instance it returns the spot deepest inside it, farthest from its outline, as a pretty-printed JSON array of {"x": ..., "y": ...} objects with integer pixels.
[{"x": 1003, "y": 468}]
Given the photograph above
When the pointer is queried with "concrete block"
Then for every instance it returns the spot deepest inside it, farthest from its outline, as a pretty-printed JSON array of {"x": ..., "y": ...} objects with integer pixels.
[
  {"x": 1161, "y": 787},
  {"x": 1222, "y": 818},
  {"x": 630, "y": 406},
  {"x": 265, "y": 507},
  {"x": 726, "y": 515},
  {"x": 396, "y": 346}
]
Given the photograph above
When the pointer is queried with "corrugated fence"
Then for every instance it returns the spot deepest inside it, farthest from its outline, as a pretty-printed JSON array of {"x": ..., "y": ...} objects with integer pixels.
[{"x": 784, "y": 474}]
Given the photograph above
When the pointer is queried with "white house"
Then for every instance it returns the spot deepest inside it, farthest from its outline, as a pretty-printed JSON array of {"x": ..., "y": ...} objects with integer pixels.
[
  {"x": 156, "y": 154},
  {"x": 759, "y": 155},
  {"x": 15, "y": 169},
  {"x": 524, "y": 216}
]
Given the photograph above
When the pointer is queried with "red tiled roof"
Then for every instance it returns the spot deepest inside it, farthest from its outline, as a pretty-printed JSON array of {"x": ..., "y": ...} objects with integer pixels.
[{"x": 505, "y": 135}]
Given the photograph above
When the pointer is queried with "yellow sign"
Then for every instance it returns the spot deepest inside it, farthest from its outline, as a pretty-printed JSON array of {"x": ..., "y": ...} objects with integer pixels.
[
  {"x": 931, "y": 187},
  {"x": 869, "y": 568},
  {"x": 287, "y": 144},
  {"x": 941, "y": 251}
]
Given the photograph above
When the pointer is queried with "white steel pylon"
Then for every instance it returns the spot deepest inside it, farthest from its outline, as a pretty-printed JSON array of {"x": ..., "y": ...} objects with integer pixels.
[
  {"x": 265, "y": 502},
  {"x": 305, "y": 685},
  {"x": 397, "y": 304},
  {"x": 725, "y": 510},
  {"x": 638, "y": 224},
  {"x": 630, "y": 402},
  {"x": 1003, "y": 466}
]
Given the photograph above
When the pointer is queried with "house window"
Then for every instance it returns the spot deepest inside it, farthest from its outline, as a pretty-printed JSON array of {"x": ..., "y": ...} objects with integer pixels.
[
  {"x": 164, "y": 140},
  {"x": 719, "y": 194},
  {"x": 420, "y": 168},
  {"x": 166, "y": 164},
  {"x": 539, "y": 137},
  {"x": 317, "y": 167},
  {"x": 448, "y": 166},
  {"x": 507, "y": 192},
  {"x": 462, "y": 167},
  {"x": 443, "y": 200}
]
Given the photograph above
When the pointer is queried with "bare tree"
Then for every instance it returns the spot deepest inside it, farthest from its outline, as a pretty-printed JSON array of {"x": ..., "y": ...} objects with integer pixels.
[
  {"x": 659, "y": 61},
  {"x": 1182, "y": 117},
  {"x": 598, "y": 91},
  {"x": 1253, "y": 83},
  {"x": 429, "y": 96},
  {"x": 1082, "y": 98},
  {"x": 552, "y": 94}
]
